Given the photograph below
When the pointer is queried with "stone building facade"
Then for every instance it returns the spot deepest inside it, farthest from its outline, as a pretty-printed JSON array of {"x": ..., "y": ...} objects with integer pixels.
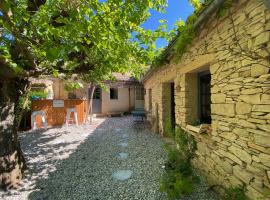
[{"x": 223, "y": 80}]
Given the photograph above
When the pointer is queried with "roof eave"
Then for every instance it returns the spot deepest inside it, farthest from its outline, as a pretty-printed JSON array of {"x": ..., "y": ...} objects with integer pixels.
[{"x": 204, "y": 14}]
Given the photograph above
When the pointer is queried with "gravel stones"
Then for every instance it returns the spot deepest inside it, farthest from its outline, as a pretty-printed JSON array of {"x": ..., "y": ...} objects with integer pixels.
[
  {"x": 83, "y": 163},
  {"x": 78, "y": 162}
]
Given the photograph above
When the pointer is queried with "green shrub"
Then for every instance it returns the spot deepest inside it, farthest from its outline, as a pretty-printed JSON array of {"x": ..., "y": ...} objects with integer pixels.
[
  {"x": 266, "y": 194},
  {"x": 168, "y": 130},
  {"x": 235, "y": 193},
  {"x": 179, "y": 178},
  {"x": 186, "y": 143},
  {"x": 186, "y": 35},
  {"x": 178, "y": 162},
  {"x": 176, "y": 185}
]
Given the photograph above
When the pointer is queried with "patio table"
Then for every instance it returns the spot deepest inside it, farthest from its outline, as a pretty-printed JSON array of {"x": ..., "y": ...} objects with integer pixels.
[{"x": 139, "y": 113}]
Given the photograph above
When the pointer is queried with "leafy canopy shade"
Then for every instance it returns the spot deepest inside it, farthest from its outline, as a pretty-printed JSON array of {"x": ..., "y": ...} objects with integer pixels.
[{"x": 87, "y": 37}]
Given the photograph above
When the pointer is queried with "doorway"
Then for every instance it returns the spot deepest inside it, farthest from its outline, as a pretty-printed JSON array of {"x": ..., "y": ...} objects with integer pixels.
[
  {"x": 97, "y": 98},
  {"x": 168, "y": 108},
  {"x": 172, "y": 104}
]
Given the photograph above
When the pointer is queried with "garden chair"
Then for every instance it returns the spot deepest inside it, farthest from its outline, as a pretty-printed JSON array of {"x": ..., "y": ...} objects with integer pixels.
[
  {"x": 43, "y": 119},
  {"x": 68, "y": 119}
]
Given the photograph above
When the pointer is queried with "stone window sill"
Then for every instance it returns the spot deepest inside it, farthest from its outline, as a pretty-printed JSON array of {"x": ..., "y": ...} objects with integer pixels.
[{"x": 201, "y": 129}]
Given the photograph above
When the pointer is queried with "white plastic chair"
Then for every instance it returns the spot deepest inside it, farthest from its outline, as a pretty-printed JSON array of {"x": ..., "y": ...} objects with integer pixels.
[
  {"x": 69, "y": 111},
  {"x": 43, "y": 119}
]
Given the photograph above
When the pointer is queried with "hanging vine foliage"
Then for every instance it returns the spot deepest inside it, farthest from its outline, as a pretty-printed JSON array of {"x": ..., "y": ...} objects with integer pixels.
[{"x": 185, "y": 33}]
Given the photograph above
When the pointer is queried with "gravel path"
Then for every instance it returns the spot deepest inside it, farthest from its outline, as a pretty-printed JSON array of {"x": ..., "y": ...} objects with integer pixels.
[{"x": 113, "y": 158}]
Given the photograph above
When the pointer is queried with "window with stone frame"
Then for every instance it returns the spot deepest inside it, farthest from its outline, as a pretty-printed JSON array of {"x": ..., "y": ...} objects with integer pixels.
[
  {"x": 114, "y": 93},
  {"x": 204, "y": 97}
]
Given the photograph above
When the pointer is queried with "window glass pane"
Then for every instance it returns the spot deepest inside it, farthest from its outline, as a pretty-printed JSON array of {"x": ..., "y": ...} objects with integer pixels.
[
  {"x": 113, "y": 93},
  {"x": 205, "y": 98}
]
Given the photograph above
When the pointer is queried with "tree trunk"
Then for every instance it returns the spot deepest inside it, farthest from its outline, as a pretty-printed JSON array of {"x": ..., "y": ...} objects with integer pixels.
[
  {"x": 21, "y": 111},
  {"x": 90, "y": 102},
  {"x": 12, "y": 162}
]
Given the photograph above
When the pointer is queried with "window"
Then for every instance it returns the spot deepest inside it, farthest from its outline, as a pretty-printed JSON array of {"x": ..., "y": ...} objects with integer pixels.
[
  {"x": 113, "y": 93},
  {"x": 205, "y": 97},
  {"x": 140, "y": 93},
  {"x": 71, "y": 95}
]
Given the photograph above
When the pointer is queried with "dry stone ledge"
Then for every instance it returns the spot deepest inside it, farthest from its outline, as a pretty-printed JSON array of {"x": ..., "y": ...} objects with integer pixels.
[
  {"x": 261, "y": 108},
  {"x": 264, "y": 127},
  {"x": 251, "y": 90},
  {"x": 246, "y": 124},
  {"x": 258, "y": 69},
  {"x": 243, "y": 108},
  {"x": 241, "y": 154},
  {"x": 265, "y": 159},
  {"x": 254, "y": 170},
  {"x": 218, "y": 98},
  {"x": 225, "y": 109},
  {"x": 230, "y": 156},
  {"x": 262, "y": 140},
  {"x": 252, "y": 99},
  {"x": 228, "y": 135},
  {"x": 257, "y": 121},
  {"x": 262, "y": 38},
  {"x": 268, "y": 175},
  {"x": 241, "y": 132},
  {"x": 242, "y": 174},
  {"x": 259, "y": 148}
]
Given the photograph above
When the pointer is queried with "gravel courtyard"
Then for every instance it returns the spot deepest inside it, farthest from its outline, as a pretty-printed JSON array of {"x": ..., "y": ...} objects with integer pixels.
[{"x": 114, "y": 158}]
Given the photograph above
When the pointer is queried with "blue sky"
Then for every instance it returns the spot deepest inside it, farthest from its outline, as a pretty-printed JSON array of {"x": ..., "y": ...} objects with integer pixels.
[{"x": 177, "y": 9}]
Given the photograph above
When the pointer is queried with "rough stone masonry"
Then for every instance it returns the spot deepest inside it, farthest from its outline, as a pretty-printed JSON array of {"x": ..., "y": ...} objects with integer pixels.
[{"x": 235, "y": 49}]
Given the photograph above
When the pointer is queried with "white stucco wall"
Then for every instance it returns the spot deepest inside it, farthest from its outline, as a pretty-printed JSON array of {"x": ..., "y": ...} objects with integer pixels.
[{"x": 117, "y": 105}]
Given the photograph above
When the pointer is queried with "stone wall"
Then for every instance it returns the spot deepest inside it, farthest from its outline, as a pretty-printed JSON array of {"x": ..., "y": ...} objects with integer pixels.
[
  {"x": 235, "y": 48},
  {"x": 156, "y": 84}
]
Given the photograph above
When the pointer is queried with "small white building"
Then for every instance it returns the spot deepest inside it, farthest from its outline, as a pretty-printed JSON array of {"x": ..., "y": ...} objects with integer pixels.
[{"x": 122, "y": 95}]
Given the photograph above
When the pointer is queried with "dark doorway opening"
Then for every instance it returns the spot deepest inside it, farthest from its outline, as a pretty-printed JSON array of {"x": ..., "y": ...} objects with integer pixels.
[
  {"x": 172, "y": 104},
  {"x": 205, "y": 97},
  {"x": 150, "y": 99}
]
